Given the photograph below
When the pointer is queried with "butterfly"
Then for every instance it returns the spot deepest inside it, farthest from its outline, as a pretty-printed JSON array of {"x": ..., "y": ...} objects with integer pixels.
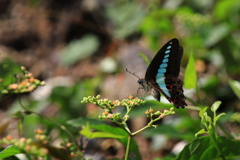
[{"x": 162, "y": 75}]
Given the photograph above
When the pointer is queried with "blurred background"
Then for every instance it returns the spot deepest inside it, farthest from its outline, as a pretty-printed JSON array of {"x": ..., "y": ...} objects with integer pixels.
[{"x": 82, "y": 48}]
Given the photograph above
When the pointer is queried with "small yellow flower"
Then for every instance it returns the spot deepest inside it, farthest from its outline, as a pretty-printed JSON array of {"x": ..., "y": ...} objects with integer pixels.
[
  {"x": 150, "y": 110},
  {"x": 23, "y": 68},
  {"x": 161, "y": 116},
  {"x": 69, "y": 144},
  {"x": 13, "y": 86},
  {"x": 9, "y": 137},
  {"x": 27, "y": 148},
  {"x": 23, "y": 139},
  {"x": 109, "y": 116},
  {"x": 30, "y": 75},
  {"x": 39, "y": 131},
  {"x": 32, "y": 79},
  {"x": 105, "y": 113},
  {"x": 23, "y": 83}
]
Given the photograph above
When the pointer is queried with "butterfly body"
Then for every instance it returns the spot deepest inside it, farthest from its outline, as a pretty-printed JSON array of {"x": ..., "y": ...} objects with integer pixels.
[{"x": 162, "y": 74}]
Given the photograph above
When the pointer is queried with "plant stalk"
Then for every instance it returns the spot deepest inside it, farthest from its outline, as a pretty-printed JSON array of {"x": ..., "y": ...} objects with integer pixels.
[{"x": 128, "y": 147}]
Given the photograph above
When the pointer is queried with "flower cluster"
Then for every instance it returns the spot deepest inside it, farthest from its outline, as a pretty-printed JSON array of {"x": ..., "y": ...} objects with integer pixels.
[
  {"x": 108, "y": 106},
  {"x": 27, "y": 145},
  {"x": 40, "y": 147},
  {"x": 74, "y": 151},
  {"x": 25, "y": 83},
  {"x": 151, "y": 113}
]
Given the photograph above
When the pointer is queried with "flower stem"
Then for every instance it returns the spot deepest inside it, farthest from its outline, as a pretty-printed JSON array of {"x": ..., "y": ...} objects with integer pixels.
[
  {"x": 129, "y": 140},
  {"x": 50, "y": 120},
  {"x": 147, "y": 126}
]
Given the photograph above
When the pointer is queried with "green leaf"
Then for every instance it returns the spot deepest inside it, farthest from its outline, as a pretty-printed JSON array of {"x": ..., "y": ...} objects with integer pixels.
[
  {"x": 101, "y": 126},
  {"x": 145, "y": 58},
  {"x": 79, "y": 49},
  {"x": 9, "y": 151},
  {"x": 86, "y": 131},
  {"x": 207, "y": 118},
  {"x": 202, "y": 131},
  {"x": 202, "y": 112},
  {"x": 203, "y": 148},
  {"x": 126, "y": 18},
  {"x": 217, "y": 34},
  {"x": 218, "y": 116},
  {"x": 235, "y": 85},
  {"x": 190, "y": 79},
  {"x": 215, "y": 106},
  {"x": 167, "y": 130},
  {"x": 79, "y": 122},
  {"x": 225, "y": 6}
]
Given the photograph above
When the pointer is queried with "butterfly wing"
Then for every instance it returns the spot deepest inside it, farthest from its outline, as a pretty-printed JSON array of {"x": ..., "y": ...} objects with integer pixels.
[{"x": 162, "y": 74}]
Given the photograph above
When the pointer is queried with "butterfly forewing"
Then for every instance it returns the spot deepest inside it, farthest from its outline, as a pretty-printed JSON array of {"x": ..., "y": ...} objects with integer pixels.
[{"x": 162, "y": 74}]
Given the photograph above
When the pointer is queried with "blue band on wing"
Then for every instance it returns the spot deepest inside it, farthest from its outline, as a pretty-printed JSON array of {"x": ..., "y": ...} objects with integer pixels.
[
  {"x": 163, "y": 65},
  {"x": 166, "y": 56},
  {"x": 164, "y": 89},
  {"x": 162, "y": 70},
  {"x": 167, "y": 51},
  {"x": 160, "y": 79},
  {"x": 160, "y": 74},
  {"x": 165, "y": 60}
]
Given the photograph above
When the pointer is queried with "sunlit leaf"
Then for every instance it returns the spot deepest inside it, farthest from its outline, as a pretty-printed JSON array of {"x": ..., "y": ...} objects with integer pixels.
[
  {"x": 79, "y": 49},
  {"x": 126, "y": 17},
  {"x": 218, "y": 116},
  {"x": 235, "y": 117},
  {"x": 204, "y": 148},
  {"x": 104, "y": 128},
  {"x": 203, "y": 111},
  {"x": 216, "y": 34},
  {"x": 144, "y": 57},
  {"x": 225, "y": 6},
  {"x": 202, "y": 131},
  {"x": 9, "y": 151},
  {"x": 190, "y": 79},
  {"x": 86, "y": 131},
  {"x": 215, "y": 106},
  {"x": 235, "y": 85}
]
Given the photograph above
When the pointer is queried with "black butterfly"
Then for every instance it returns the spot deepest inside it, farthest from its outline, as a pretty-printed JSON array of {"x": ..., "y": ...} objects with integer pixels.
[{"x": 162, "y": 74}]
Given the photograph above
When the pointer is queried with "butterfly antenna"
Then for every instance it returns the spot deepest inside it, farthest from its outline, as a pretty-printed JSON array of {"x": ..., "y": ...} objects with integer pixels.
[{"x": 132, "y": 73}]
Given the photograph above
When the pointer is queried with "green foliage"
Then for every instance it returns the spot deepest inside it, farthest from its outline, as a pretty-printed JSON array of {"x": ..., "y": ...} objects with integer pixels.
[
  {"x": 216, "y": 34},
  {"x": 235, "y": 85},
  {"x": 204, "y": 148},
  {"x": 89, "y": 134},
  {"x": 121, "y": 121},
  {"x": 213, "y": 146},
  {"x": 79, "y": 49},
  {"x": 208, "y": 32},
  {"x": 190, "y": 79},
  {"x": 39, "y": 147},
  {"x": 128, "y": 21},
  {"x": 144, "y": 57},
  {"x": 224, "y": 6},
  {"x": 9, "y": 151},
  {"x": 106, "y": 131}
]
